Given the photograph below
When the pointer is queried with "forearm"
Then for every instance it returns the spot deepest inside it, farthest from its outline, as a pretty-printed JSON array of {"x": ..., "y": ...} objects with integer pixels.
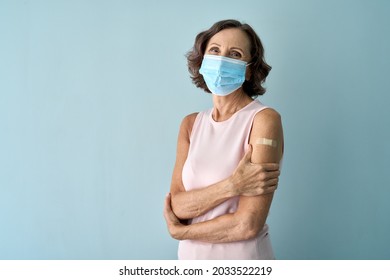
[
  {"x": 225, "y": 228},
  {"x": 190, "y": 204}
]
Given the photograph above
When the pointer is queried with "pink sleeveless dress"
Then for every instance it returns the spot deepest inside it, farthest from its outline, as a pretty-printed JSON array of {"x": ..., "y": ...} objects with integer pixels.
[{"x": 215, "y": 150}]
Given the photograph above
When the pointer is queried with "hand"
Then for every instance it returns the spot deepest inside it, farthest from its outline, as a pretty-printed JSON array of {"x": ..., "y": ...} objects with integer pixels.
[
  {"x": 251, "y": 179},
  {"x": 175, "y": 227}
]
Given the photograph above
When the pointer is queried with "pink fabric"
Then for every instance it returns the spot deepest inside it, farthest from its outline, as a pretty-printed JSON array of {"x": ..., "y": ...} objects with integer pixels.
[{"x": 215, "y": 151}]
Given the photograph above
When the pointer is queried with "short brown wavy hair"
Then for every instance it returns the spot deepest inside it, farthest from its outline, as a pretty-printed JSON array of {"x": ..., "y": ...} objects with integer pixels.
[{"x": 258, "y": 66}]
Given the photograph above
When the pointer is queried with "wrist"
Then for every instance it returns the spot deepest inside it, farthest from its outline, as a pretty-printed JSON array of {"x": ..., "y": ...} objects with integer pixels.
[
  {"x": 179, "y": 232},
  {"x": 232, "y": 187}
]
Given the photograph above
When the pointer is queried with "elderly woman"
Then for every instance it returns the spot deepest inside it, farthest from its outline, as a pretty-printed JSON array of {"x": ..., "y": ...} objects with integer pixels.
[{"x": 227, "y": 163}]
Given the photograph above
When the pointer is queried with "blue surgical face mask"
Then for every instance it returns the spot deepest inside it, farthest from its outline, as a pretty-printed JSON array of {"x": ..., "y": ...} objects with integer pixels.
[{"x": 222, "y": 75}]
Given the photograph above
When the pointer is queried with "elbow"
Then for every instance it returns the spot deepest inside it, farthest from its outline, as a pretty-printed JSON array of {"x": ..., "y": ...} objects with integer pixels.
[
  {"x": 178, "y": 210},
  {"x": 250, "y": 227},
  {"x": 181, "y": 215},
  {"x": 251, "y": 233}
]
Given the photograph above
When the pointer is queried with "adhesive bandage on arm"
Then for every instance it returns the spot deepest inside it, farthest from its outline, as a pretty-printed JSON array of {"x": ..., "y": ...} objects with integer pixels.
[{"x": 267, "y": 142}]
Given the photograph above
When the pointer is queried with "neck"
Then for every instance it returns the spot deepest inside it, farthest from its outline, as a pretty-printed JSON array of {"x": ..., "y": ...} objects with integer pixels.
[{"x": 226, "y": 106}]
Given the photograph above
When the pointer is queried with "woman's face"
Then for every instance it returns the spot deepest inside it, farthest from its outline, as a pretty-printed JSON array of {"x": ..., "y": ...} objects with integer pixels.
[{"x": 231, "y": 42}]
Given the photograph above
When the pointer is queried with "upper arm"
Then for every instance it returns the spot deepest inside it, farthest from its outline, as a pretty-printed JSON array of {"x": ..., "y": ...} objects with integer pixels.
[
  {"x": 267, "y": 124},
  {"x": 183, "y": 144}
]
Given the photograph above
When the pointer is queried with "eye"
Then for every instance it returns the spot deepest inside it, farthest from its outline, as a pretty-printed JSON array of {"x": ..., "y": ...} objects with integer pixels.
[
  {"x": 235, "y": 54},
  {"x": 213, "y": 50}
]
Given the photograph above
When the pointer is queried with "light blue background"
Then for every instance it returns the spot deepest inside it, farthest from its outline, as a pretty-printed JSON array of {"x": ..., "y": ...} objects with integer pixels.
[{"x": 92, "y": 94}]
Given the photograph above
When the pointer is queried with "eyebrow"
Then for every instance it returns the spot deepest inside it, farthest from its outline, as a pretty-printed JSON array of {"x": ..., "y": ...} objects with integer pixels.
[{"x": 237, "y": 48}]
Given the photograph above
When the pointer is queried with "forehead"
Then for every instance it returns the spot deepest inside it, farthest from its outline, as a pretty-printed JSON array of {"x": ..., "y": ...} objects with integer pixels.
[{"x": 231, "y": 37}]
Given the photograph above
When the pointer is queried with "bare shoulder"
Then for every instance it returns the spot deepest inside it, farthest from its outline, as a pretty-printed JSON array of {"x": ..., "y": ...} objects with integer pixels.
[
  {"x": 187, "y": 124},
  {"x": 189, "y": 119},
  {"x": 267, "y": 116},
  {"x": 267, "y": 121}
]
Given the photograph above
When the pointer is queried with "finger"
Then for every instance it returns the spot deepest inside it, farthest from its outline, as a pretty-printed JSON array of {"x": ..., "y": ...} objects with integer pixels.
[
  {"x": 270, "y": 175},
  {"x": 267, "y": 189},
  {"x": 168, "y": 199},
  {"x": 271, "y": 183},
  {"x": 168, "y": 213},
  {"x": 167, "y": 206},
  {"x": 271, "y": 189},
  {"x": 269, "y": 166}
]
